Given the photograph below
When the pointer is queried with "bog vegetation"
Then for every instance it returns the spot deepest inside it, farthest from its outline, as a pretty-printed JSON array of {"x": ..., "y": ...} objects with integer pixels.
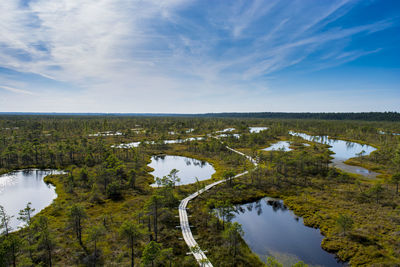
[{"x": 107, "y": 214}]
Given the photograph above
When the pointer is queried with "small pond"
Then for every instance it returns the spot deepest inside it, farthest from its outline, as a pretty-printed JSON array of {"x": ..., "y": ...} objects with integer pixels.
[
  {"x": 20, "y": 187},
  {"x": 126, "y": 145},
  {"x": 382, "y": 132},
  {"x": 188, "y": 168},
  {"x": 226, "y": 130},
  {"x": 108, "y": 133},
  {"x": 257, "y": 129},
  {"x": 281, "y": 145},
  {"x": 176, "y": 141},
  {"x": 237, "y": 136},
  {"x": 343, "y": 150},
  {"x": 270, "y": 229}
]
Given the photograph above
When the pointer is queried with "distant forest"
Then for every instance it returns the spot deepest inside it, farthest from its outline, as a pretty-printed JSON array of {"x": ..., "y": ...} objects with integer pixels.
[{"x": 362, "y": 116}]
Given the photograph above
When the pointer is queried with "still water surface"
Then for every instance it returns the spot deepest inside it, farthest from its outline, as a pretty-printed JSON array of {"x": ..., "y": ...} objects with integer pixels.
[
  {"x": 176, "y": 141},
  {"x": 281, "y": 145},
  {"x": 237, "y": 136},
  {"x": 20, "y": 187},
  {"x": 343, "y": 150},
  {"x": 188, "y": 168},
  {"x": 270, "y": 229},
  {"x": 382, "y": 132},
  {"x": 257, "y": 129},
  {"x": 226, "y": 130}
]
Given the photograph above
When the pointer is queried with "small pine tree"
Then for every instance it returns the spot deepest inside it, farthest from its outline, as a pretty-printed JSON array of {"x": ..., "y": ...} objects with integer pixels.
[
  {"x": 345, "y": 223},
  {"x": 151, "y": 253}
]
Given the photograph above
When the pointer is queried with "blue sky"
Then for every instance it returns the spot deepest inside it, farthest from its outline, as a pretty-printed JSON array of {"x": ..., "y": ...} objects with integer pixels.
[{"x": 189, "y": 56}]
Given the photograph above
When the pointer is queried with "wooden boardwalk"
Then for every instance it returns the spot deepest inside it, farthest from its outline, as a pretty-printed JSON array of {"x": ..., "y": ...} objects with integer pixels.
[{"x": 184, "y": 220}]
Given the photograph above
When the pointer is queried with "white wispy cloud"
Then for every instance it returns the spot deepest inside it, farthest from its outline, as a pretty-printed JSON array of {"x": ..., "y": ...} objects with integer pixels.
[
  {"x": 146, "y": 49},
  {"x": 16, "y": 90}
]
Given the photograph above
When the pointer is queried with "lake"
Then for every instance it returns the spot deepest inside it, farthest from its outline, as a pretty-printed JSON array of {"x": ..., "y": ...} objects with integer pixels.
[
  {"x": 270, "y": 229},
  {"x": 343, "y": 150},
  {"x": 188, "y": 168},
  {"x": 20, "y": 187}
]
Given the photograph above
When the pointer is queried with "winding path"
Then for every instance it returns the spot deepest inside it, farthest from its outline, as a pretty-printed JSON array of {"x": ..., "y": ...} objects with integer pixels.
[{"x": 184, "y": 220}]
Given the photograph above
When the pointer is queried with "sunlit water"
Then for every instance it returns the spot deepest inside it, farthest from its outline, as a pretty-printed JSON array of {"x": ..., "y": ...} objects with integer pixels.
[
  {"x": 108, "y": 133},
  {"x": 270, "y": 229},
  {"x": 176, "y": 141},
  {"x": 382, "y": 132},
  {"x": 226, "y": 130},
  {"x": 237, "y": 136},
  {"x": 127, "y": 145},
  {"x": 281, "y": 145},
  {"x": 257, "y": 129},
  {"x": 188, "y": 168},
  {"x": 20, "y": 187},
  {"x": 343, "y": 150}
]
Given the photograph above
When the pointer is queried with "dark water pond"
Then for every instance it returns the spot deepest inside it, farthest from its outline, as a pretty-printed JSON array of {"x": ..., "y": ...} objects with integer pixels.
[
  {"x": 270, "y": 229},
  {"x": 20, "y": 187},
  {"x": 188, "y": 168}
]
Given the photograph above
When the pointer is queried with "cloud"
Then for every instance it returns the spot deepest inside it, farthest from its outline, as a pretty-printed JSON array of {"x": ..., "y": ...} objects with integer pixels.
[
  {"x": 176, "y": 49},
  {"x": 246, "y": 12},
  {"x": 16, "y": 90}
]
